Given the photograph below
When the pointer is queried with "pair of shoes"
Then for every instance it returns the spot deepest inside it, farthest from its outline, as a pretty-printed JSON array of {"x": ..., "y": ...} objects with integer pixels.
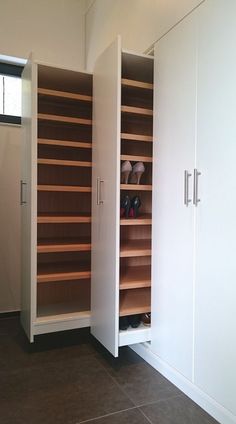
[
  {"x": 136, "y": 172},
  {"x": 125, "y": 322},
  {"x": 129, "y": 208},
  {"x": 146, "y": 319}
]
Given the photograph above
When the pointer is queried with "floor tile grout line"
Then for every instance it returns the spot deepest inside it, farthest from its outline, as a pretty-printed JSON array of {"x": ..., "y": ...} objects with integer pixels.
[
  {"x": 107, "y": 415},
  {"x": 145, "y": 416},
  {"x": 159, "y": 400}
]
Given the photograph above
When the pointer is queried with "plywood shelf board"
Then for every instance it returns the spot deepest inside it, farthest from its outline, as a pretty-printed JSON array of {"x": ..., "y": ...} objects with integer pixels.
[
  {"x": 65, "y": 143},
  {"x": 136, "y": 137},
  {"x": 59, "y": 162},
  {"x": 134, "y": 248},
  {"x": 62, "y": 272},
  {"x": 137, "y": 84},
  {"x": 63, "y": 219},
  {"x": 136, "y": 187},
  {"x": 59, "y": 312},
  {"x": 137, "y": 110},
  {"x": 66, "y": 119},
  {"x": 135, "y": 277},
  {"x": 134, "y": 158},
  {"x": 64, "y": 94},
  {"x": 143, "y": 219},
  {"x": 63, "y": 245},
  {"x": 135, "y": 301},
  {"x": 78, "y": 189}
]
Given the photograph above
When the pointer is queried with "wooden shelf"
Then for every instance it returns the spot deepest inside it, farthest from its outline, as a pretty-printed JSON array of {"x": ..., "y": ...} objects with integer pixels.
[
  {"x": 64, "y": 95},
  {"x": 77, "y": 189},
  {"x": 63, "y": 219},
  {"x": 65, "y": 143},
  {"x": 135, "y": 277},
  {"x": 66, "y": 119},
  {"x": 63, "y": 245},
  {"x": 54, "y": 272},
  {"x": 144, "y": 219},
  {"x": 134, "y": 248},
  {"x": 136, "y": 187},
  {"x": 60, "y": 311},
  {"x": 137, "y": 137},
  {"x": 137, "y": 110},
  {"x": 137, "y": 301},
  {"x": 137, "y": 84},
  {"x": 133, "y": 158},
  {"x": 60, "y": 162}
]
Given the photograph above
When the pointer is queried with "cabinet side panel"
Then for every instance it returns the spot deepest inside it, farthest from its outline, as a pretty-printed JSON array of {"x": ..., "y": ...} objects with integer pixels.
[
  {"x": 173, "y": 222},
  {"x": 106, "y": 182},
  {"x": 29, "y": 197}
]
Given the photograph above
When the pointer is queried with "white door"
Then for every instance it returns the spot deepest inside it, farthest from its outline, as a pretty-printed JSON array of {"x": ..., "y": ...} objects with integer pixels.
[
  {"x": 29, "y": 197},
  {"x": 215, "y": 346},
  {"x": 173, "y": 220},
  {"x": 106, "y": 197}
]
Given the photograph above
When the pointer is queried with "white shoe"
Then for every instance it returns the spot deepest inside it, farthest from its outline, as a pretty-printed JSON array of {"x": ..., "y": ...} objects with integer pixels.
[
  {"x": 126, "y": 169},
  {"x": 137, "y": 172}
]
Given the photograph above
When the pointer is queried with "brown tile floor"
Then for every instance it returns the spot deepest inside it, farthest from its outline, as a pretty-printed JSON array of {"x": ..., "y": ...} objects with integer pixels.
[{"x": 68, "y": 378}]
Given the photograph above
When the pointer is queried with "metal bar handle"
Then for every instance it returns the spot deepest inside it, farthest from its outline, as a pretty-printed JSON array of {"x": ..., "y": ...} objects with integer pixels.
[
  {"x": 187, "y": 175},
  {"x": 22, "y": 184},
  {"x": 99, "y": 182},
  {"x": 196, "y": 199}
]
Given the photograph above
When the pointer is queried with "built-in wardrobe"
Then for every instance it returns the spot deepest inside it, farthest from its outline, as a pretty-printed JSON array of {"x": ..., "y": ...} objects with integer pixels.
[{"x": 175, "y": 112}]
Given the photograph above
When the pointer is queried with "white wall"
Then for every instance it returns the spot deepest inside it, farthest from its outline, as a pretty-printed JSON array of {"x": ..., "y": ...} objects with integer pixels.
[
  {"x": 54, "y": 31},
  {"x": 140, "y": 23}
]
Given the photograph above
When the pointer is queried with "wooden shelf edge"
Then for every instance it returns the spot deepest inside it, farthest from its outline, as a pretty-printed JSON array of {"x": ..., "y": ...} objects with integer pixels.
[
  {"x": 63, "y": 276},
  {"x": 133, "y": 158},
  {"x": 66, "y": 119},
  {"x": 54, "y": 248},
  {"x": 77, "y": 189},
  {"x": 136, "y": 137},
  {"x": 136, "y": 187},
  {"x": 56, "y": 219},
  {"x": 59, "y": 162},
  {"x": 64, "y": 143},
  {"x": 137, "y": 84},
  {"x": 136, "y": 110},
  {"x": 64, "y": 94}
]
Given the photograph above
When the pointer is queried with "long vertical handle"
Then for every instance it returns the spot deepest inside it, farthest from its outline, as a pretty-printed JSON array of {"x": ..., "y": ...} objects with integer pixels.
[
  {"x": 22, "y": 201},
  {"x": 196, "y": 199},
  {"x": 99, "y": 182},
  {"x": 187, "y": 175}
]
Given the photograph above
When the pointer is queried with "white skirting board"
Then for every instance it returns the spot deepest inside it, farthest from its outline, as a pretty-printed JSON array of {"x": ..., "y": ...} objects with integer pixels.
[{"x": 213, "y": 408}]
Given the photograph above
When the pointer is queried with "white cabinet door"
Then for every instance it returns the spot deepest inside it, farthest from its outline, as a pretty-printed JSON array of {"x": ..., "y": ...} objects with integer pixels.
[
  {"x": 29, "y": 197},
  {"x": 173, "y": 222},
  {"x": 215, "y": 346},
  {"x": 106, "y": 198}
]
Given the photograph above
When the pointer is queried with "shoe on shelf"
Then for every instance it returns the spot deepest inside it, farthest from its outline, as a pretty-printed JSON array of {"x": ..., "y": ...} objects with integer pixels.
[
  {"x": 134, "y": 207},
  {"x": 123, "y": 323},
  {"x": 137, "y": 172},
  {"x": 126, "y": 169},
  {"x": 146, "y": 319},
  {"x": 125, "y": 206},
  {"x": 134, "y": 320}
]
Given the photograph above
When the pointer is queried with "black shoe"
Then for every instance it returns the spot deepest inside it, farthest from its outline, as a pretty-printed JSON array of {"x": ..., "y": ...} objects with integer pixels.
[
  {"x": 125, "y": 206},
  {"x": 134, "y": 320},
  {"x": 123, "y": 323},
  {"x": 135, "y": 205}
]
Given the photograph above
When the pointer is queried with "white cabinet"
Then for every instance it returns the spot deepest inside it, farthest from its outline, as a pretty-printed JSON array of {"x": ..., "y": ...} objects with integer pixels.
[{"x": 194, "y": 267}]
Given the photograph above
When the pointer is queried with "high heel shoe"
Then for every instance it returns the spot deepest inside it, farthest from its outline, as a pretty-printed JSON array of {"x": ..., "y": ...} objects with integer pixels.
[
  {"x": 126, "y": 169},
  {"x": 125, "y": 206},
  {"x": 134, "y": 207},
  {"x": 137, "y": 172}
]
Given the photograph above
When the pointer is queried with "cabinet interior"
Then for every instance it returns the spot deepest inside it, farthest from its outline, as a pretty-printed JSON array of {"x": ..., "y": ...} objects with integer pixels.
[
  {"x": 136, "y": 146},
  {"x": 64, "y": 191}
]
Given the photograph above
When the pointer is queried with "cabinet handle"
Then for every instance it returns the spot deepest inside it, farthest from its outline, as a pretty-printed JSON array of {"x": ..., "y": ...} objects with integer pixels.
[
  {"x": 196, "y": 199},
  {"x": 22, "y": 184},
  {"x": 187, "y": 175},
  {"x": 99, "y": 182}
]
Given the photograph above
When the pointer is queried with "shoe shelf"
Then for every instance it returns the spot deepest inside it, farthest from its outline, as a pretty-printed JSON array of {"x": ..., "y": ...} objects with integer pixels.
[
  {"x": 63, "y": 245},
  {"x": 136, "y": 110},
  {"x": 55, "y": 272},
  {"x": 64, "y": 211},
  {"x": 135, "y": 248},
  {"x": 136, "y": 301},
  {"x": 63, "y": 219},
  {"x": 137, "y": 84},
  {"x": 136, "y": 137},
  {"x": 142, "y": 219},
  {"x": 136, "y": 187},
  {"x": 64, "y": 95},
  {"x": 135, "y": 277},
  {"x": 66, "y": 119},
  {"x": 133, "y": 158},
  {"x": 131, "y": 336},
  {"x": 64, "y": 143},
  {"x": 58, "y": 162}
]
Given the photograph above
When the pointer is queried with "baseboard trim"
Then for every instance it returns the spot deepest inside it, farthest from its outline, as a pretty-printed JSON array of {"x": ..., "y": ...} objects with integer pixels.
[
  {"x": 213, "y": 408},
  {"x": 11, "y": 314}
]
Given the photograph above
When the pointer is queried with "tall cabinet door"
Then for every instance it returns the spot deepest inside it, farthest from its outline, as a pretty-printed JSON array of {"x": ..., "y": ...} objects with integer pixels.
[
  {"x": 215, "y": 329},
  {"x": 105, "y": 197},
  {"x": 29, "y": 197},
  {"x": 173, "y": 220}
]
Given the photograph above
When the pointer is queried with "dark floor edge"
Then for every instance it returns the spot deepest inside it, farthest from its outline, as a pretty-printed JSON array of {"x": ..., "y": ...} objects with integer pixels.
[{"x": 11, "y": 314}]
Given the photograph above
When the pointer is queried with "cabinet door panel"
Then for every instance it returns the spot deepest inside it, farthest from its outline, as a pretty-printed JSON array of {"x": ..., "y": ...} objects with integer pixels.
[
  {"x": 106, "y": 178},
  {"x": 215, "y": 346},
  {"x": 173, "y": 222},
  {"x": 29, "y": 197}
]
